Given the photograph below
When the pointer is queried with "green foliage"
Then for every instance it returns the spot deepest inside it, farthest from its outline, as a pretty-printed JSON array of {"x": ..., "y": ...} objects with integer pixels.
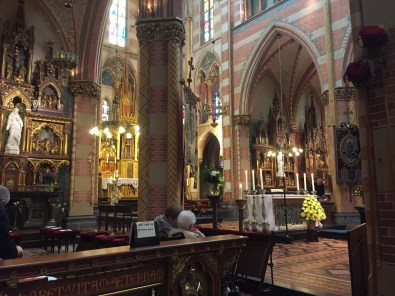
[{"x": 212, "y": 175}]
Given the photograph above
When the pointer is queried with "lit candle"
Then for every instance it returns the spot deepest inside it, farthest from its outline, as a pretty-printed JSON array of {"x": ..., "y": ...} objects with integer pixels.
[
  {"x": 305, "y": 181},
  {"x": 240, "y": 191},
  {"x": 246, "y": 179},
  {"x": 253, "y": 179},
  {"x": 297, "y": 181},
  {"x": 312, "y": 181},
  {"x": 261, "y": 177}
]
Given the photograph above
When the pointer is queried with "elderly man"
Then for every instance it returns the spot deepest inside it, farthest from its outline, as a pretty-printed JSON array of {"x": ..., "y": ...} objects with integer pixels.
[
  {"x": 168, "y": 221},
  {"x": 8, "y": 248}
]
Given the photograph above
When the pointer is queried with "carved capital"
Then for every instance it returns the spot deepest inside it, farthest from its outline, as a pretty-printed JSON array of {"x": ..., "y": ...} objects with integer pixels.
[
  {"x": 345, "y": 93},
  {"x": 241, "y": 120},
  {"x": 164, "y": 29},
  {"x": 84, "y": 87},
  {"x": 341, "y": 94}
]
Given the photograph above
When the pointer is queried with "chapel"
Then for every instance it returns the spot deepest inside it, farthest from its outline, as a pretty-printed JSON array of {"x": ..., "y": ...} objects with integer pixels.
[{"x": 144, "y": 104}]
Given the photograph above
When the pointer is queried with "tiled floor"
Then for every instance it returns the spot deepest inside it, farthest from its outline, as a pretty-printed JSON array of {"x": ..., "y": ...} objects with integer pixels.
[{"x": 320, "y": 268}]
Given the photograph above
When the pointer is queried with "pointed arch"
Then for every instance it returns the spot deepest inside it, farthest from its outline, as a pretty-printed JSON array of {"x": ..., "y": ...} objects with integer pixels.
[{"x": 260, "y": 49}]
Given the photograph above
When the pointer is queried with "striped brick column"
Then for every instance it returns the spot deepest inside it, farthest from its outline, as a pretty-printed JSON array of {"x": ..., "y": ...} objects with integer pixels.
[
  {"x": 84, "y": 164},
  {"x": 241, "y": 148},
  {"x": 160, "y": 115}
]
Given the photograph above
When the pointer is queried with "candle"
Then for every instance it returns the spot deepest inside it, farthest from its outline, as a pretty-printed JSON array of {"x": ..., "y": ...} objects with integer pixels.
[
  {"x": 312, "y": 181},
  {"x": 106, "y": 159},
  {"x": 253, "y": 179},
  {"x": 297, "y": 181},
  {"x": 261, "y": 177},
  {"x": 246, "y": 179},
  {"x": 240, "y": 191},
  {"x": 305, "y": 181}
]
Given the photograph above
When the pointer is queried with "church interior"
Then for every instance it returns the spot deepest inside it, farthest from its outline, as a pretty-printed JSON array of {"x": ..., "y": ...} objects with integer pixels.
[{"x": 236, "y": 110}]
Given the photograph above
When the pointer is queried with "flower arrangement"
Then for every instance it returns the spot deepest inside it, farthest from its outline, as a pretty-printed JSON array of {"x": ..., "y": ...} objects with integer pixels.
[
  {"x": 18, "y": 206},
  {"x": 62, "y": 207},
  {"x": 212, "y": 175},
  {"x": 312, "y": 209}
]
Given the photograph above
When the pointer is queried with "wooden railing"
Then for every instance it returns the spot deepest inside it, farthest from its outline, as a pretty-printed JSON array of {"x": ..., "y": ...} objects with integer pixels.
[{"x": 168, "y": 268}]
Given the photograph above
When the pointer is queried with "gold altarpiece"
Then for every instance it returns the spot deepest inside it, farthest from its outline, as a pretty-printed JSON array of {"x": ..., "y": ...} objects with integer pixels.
[
  {"x": 266, "y": 138},
  {"x": 32, "y": 155},
  {"x": 118, "y": 134}
]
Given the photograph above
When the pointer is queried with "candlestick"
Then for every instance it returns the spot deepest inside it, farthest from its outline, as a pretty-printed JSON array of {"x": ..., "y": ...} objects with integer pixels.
[
  {"x": 246, "y": 179},
  {"x": 312, "y": 182},
  {"x": 240, "y": 191},
  {"x": 297, "y": 181},
  {"x": 305, "y": 181},
  {"x": 253, "y": 179},
  {"x": 261, "y": 177}
]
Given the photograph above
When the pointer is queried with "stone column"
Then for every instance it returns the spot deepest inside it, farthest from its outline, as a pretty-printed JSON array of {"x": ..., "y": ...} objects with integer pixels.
[
  {"x": 160, "y": 115},
  {"x": 241, "y": 161},
  {"x": 84, "y": 150}
]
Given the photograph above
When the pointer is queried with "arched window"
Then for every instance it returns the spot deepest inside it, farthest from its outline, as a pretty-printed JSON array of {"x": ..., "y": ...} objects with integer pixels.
[
  {"x": 208, "y": 20},
  {"x": 105, "y": 110},
  {"x": 117, "y": 28},
  {"x": 106, "y": 78}
]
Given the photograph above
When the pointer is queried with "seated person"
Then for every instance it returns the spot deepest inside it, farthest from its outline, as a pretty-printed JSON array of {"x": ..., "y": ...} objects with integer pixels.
[
  {"x": 186, "y": 225},
  {"x": 168, "y": 221},
  {"x": 8, "y": 248}
]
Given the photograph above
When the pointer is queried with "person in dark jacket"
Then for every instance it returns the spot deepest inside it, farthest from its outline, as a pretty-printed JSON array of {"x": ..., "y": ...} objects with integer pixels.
[
  {"x": 168, "y": 221},
  {"x": 8, "y": 248}
]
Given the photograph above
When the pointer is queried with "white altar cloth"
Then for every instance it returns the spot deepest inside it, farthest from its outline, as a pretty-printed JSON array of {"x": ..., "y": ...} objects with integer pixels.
[{"x": 121, "y": 181}]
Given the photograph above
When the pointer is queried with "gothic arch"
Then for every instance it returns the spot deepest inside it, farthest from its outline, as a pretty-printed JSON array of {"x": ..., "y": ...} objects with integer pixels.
[{"x": 261, "y": 47}]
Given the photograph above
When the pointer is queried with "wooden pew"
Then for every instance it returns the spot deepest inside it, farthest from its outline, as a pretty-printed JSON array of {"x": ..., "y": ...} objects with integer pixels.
[{"x": 168, "y": 268}]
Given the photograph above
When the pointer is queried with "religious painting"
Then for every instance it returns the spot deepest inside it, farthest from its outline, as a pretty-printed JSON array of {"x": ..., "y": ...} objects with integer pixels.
[{"x": 348, "y": 163}]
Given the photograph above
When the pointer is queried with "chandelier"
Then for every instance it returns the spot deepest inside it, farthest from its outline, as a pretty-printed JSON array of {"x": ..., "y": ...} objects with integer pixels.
[
  {"x": 65, "y": 59},
  {"x": 110, "y": 129}
]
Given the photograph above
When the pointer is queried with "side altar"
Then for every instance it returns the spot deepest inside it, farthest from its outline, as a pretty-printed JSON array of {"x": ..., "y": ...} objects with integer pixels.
[{"x": 268, "y": 209}]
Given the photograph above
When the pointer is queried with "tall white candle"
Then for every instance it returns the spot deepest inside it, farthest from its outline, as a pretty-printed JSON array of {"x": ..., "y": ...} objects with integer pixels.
[
  {"x": 312, "y": 181},
  {"x": 253, "y": 179},
  {"x": 240, "y": 191},
  {"x": 246, "y": 180},
  {"x": 261, "y": 177},
  {"x": 297, "y": 181},
  {"x": 305, "y": 181}
]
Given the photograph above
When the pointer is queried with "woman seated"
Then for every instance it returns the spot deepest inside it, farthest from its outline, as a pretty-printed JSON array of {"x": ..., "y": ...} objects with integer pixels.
[{"x": 186, "y": 225}]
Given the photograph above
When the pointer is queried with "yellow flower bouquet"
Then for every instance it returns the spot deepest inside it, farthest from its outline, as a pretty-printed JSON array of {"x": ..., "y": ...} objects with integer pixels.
[{"x": 312, "y": 209}]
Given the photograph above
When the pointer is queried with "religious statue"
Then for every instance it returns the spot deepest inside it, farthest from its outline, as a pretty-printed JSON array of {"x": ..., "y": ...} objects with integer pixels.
[
  {"x": 280, "y": 164},
  {"x": 21, "y": 73},
  {"x": 14, "y": 126}
]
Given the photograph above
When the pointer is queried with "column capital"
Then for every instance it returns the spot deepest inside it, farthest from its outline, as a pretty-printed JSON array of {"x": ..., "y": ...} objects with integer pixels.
[
  {"x": 241, "y": 120},
  {"x": 160, "y": 29},
  {"x": 341, "y": 94},
  {"x": 85, "y": 87}
]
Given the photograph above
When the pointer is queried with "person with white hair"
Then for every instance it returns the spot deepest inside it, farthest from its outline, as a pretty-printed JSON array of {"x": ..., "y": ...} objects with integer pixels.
[
  {"x": 186, "y": 224},
  {"x": 8, "y": 248}
]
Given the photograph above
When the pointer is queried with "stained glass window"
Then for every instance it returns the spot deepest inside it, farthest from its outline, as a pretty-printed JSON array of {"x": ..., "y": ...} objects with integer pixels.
[
  {"x": 208, "y": 20},
  {"x": 117, "y": 28}
]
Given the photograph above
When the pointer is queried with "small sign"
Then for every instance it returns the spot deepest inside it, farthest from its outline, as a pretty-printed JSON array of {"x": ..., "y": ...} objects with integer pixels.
[{"x": 144, "y": 234}]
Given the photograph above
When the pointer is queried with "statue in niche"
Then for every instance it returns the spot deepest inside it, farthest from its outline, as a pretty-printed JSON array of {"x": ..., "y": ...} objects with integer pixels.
[
  {"x": 14, "y": 126},
  {"x": 107, "y": 150},
  {"x": 8, "y": 73},
  {"x": 280, "y": 164},
  {"x": 21, "y": 73}
]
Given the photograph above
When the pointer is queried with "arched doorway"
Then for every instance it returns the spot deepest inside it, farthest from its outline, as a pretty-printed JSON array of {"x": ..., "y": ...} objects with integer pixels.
[{"x": 211, "y": 157}]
